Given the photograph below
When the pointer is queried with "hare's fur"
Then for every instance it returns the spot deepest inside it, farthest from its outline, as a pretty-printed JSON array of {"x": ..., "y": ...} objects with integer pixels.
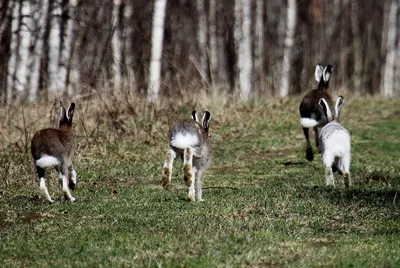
[
  {"x": 335, "y": 145},
  {"x": 190, "y": 141},
  {"x": 54, "y": 148},
  {"x": 311, "y": 113}
]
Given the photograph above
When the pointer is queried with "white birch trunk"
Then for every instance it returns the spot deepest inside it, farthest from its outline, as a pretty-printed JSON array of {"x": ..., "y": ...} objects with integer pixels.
[
  {"x": 213, "y": 53},
  {"x": 12, "y": 63},
  {"x": 389, "y": 66},
  {"x": 129, "y": 79},
  {"x": 66, "y": 49},
  {"x": 116, "y": 43},
  {"x": 243, "y": 41},
  {"x": 38, "y": 50},
  {"x": 54, "y": 49},
  {"x": 259, "y": 45},
  {"x": 202, "y": 39},
  {"x": 288, "y": 51},
  {"x": 156, "y": 49}
]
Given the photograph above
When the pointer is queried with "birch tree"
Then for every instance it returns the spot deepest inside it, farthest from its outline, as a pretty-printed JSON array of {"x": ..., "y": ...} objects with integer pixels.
[
  {"x": 259, "y": 45},
  {"x": 19, "y": 49},
  {"x": 389, "y": 66},
  {"x": 288, "y": 50},
  {"x": 116, "y": 46},
  {"x": 54, "y": 44},
  {"x": 67, "y": 45},
  {"x": 243, "y": 40},
  {"x": 202, "y": 39},
  {"x": 156, "y": 49},
  {"x": 213, "y": 51},
  {"x": 41, "y": 17}
]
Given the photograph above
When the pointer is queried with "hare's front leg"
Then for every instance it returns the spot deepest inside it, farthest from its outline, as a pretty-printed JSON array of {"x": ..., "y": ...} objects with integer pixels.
[
  {"x": 167, "y": 169},
  {"x": 43, "y": 188}
]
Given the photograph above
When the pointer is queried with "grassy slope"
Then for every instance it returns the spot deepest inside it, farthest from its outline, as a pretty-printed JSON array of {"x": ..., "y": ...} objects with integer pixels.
[{"x": 265, "y": 204}]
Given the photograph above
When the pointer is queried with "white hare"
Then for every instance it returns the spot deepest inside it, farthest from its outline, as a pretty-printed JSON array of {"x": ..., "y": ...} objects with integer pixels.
[
  {"x": 191, "y": 142},
  {"x": 335, "y": 144}
]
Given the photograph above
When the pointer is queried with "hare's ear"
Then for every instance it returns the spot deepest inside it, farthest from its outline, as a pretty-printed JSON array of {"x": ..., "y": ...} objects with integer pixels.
[
  {"x": 338, "y": 106},
  {"x": 63, "y": 114},
  {"x": 318, "y": 72},
  {"x": 206, "y": 120},
  {"x": 325, "y": 108},
  {"x": 194, "y": 116},
  {"x": 70, "y": 112},
  {"x": 327, "y": 73}
]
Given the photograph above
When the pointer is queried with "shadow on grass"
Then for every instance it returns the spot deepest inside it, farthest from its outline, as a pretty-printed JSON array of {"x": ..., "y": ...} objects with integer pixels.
[{"x": 361, "y": 196}]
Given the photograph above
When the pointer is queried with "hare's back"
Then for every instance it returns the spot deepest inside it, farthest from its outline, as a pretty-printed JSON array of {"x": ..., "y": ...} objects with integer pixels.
[
  {"x": 46, "y": 141},
  {"x": 186, "y": 134}
]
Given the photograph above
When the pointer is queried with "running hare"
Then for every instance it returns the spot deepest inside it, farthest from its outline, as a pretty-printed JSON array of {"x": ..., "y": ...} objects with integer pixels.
[
  {"x": 191, "y": 142},
  {"x": 54, "y": 148}
]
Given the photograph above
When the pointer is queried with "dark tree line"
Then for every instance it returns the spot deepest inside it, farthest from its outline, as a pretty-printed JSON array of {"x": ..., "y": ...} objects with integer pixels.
[{"x": 256, "y": 46}]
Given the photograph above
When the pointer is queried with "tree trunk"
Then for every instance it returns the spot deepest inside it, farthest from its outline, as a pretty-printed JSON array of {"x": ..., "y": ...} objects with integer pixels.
[
  {"x": 357, "y": 48},
  {"x": 54, "y": 44},
  {"x": 288, "y": 51},
  {"x": 202, "y": 40},
  {"x": 156, "y": 49},
  {"x": 38, "y": 52},
  {"x": 213, "y": 52},
  {"x": 259, "y": 46},
  {"x": 243, "y": 41},
  {"x": 116, "y": 46},
  {"x": 389, "y": 66}
]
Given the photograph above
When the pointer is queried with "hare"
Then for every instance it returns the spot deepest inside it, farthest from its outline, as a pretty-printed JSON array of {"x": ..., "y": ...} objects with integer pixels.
[
  {"x": 191, "y": 142},
  {"x": 311, "y": 113},
  {"x": 335, "y": 144},
  {"x": 54, "y": 148}
]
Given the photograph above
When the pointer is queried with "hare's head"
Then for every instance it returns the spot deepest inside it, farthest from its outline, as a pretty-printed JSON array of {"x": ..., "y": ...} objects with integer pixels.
[
  {"x": 327, "y": 110},
  {"x": 66, "y": 116},
  {"x": 322, "y": 75}
]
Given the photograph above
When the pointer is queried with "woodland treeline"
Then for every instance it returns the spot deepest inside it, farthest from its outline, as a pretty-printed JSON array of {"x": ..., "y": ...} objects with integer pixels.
[{"x": 165, "y": 47}]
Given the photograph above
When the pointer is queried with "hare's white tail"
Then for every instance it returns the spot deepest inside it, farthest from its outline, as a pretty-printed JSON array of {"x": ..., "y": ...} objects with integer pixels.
[
  {"x": 184, "y": 140},
  {"x": 308, "y": 122},
  {"x": 47, "y": 161}
]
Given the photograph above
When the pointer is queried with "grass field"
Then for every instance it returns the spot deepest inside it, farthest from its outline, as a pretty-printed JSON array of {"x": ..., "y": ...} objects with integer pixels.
[{"x": 265, "y": 204}]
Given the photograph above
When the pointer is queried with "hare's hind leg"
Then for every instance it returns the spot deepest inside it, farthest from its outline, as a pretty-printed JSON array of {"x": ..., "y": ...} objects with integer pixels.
[
  {"x": 199, "y": 184},
  {"x": 167, "y": 169},
  {"x": 189, "y": 172},
  {"x": 73, "y": 179},
  {"x": 345, "y": 167},
  {"x": 328, "y": 161},
  {"x": 64, "y": 181},
  {"x": 43, "y": 188},
  {"x": 309, "y": 152}
]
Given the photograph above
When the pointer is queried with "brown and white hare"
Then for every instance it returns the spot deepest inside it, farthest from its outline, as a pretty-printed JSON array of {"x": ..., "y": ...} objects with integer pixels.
[
  {"x": 190, "y": 141},
  {"x": 52, "y": 147},
  {"x": 311, "y": 113}
]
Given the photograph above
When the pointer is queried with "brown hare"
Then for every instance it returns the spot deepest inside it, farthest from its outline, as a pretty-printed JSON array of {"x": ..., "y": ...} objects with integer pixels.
[
  {"x": 54, "y": 148},
  {"x": 311, "y": 113},
  {"x": 191, "y": 142}
]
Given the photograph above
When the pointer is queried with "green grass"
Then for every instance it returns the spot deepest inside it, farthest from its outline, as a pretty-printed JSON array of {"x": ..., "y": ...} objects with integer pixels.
[{"x": 265, "y": 205}]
